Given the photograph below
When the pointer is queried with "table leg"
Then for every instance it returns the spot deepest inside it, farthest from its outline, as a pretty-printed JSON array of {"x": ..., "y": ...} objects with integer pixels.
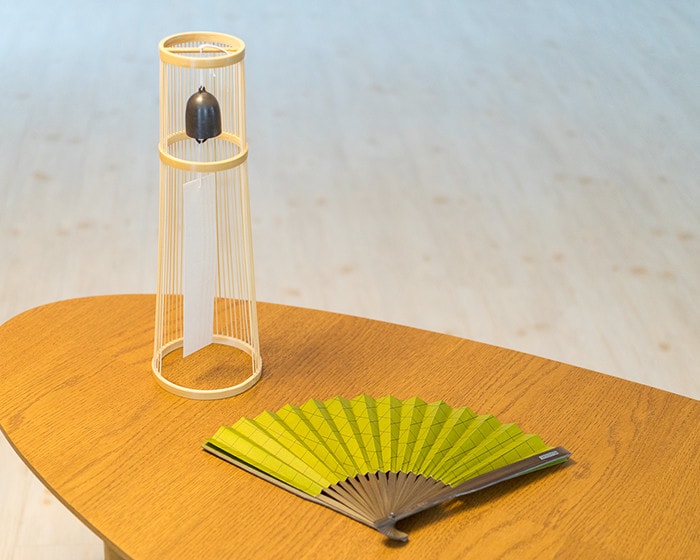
[{"x": 111, "y": 554}]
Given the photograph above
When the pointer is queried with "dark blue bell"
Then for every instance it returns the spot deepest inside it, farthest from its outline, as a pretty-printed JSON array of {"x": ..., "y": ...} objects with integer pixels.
[{"x": 202, "y": 116}]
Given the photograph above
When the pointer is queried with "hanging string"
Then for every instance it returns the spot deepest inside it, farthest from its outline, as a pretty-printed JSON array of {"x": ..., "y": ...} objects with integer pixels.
[{"x": 201, "y": 51}]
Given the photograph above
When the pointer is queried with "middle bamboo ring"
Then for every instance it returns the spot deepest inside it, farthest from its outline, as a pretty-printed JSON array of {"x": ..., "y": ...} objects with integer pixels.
[{"x": 203, "y": 166}]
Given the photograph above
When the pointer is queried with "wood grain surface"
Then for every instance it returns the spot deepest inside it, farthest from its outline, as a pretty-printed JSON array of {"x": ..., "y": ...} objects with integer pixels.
[
  {"x": 521, "y": 172},
  {"x": 81, "y": 407}
]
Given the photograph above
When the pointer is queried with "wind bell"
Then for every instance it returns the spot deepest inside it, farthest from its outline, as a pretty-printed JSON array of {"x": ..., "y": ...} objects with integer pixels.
[
  {"x": 202, "y": 116},
  {"x": 206, "y": 334}
]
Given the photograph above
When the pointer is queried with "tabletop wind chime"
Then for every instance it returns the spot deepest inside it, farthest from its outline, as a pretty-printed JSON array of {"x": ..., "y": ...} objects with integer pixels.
[{"x": 206, "y": 294}]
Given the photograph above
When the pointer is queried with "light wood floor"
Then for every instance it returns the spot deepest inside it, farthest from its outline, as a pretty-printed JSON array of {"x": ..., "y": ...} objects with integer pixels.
[{"x": 523, "y": 173}]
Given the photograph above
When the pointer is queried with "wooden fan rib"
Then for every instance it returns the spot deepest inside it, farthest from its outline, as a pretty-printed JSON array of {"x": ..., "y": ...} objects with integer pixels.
[
  {"x": 415, "y": 488},
  {"x": 341, "y": 500},
  {"x": 401, "y": 486},
  {"x": 376, "y": 485},
  {"x": 392, "y": 490},
  {"x": 360, "y": 486},
  {"x": 380, "y": 485},
  {"x": 350, "y": 487}
]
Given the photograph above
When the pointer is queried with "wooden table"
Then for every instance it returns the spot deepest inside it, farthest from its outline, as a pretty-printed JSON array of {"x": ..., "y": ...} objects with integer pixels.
[{"x": 80, "y": 406}]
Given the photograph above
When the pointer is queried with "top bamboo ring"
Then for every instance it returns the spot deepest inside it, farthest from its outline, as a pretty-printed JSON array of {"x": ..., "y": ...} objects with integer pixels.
[{"x": 182, "y": 50}]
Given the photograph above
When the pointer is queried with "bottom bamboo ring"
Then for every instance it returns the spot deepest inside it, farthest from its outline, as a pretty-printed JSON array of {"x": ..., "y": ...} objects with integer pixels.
[{"x": 207, "y": 394}]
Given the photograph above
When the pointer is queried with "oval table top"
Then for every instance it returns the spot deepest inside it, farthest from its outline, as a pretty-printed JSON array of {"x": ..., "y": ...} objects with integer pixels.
[{"x": 79, "y": 404}]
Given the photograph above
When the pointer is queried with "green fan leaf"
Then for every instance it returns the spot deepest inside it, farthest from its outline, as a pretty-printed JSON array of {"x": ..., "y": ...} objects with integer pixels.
[{"x": 320, "y": 444}]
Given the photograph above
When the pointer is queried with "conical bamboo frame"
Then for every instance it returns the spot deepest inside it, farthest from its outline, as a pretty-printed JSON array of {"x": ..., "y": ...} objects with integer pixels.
[{"x": 187, "y": 61}]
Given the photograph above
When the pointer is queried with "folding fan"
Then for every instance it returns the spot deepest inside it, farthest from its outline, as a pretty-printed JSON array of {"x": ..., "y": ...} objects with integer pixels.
[{"x": 380, "y": 460}]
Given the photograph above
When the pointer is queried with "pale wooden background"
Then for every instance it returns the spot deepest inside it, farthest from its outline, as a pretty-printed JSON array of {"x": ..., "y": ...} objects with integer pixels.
[{"x": 523, "y": 173}]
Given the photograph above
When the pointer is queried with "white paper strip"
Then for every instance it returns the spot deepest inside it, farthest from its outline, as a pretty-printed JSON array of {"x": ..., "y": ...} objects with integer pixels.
[{"x": 199, "y": 262}]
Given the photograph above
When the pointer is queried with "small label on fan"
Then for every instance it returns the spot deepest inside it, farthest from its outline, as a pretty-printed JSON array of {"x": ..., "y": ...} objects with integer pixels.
[
  {"x": 549, "y": 455},
  {"x": 199, "y": 263}
]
